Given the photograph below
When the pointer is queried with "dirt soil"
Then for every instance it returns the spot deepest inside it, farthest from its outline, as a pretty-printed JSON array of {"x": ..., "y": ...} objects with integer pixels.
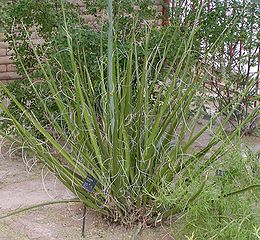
[
  {"x": 24, "y": 183},
  {"x": 21, "y": 188}
]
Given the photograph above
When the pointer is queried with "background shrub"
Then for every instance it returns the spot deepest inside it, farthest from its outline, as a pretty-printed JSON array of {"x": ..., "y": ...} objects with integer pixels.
[
  {"x": 45, "y": 18},
  {"x": 136, "y": 148},
  {"x": 217, "y": 216}
]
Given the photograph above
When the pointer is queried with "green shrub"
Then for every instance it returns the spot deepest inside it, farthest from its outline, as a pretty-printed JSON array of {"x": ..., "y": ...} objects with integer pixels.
[
  {"x": 130, "y": 145},
  {"x": 129, "y": 142},
  {"x": 214, "y": 215},
  {"x": 25, "y": 94},
  {"x": 46, "y": 17}
]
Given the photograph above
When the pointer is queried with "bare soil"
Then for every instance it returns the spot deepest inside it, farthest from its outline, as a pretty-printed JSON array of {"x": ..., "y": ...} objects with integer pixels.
[
  {"x": 24, "y": 183},
  {"x": 21, "y": 188}
]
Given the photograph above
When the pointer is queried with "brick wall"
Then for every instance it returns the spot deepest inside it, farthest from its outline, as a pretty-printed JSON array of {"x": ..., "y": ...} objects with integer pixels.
[{"x": 7, "y": 68}]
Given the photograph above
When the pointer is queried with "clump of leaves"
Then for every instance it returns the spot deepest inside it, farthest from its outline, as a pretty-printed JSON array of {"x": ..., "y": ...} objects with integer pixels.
[
  {"x": 118, "y": 137},
  {"x": 24, "y": 93},
  {"x": 22, "y": 21},
  {"x": 223, "y": 210},
  {"x": 45, "y": 21}
]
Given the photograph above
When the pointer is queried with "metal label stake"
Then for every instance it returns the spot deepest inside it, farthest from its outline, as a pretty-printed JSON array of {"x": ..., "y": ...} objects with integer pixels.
[
  {"x": 84, "y": 221},
  {"x": 89, "y": 185}
]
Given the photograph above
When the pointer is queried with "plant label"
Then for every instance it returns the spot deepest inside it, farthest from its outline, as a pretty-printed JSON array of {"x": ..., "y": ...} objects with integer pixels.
[
  {"x": 220, "y": 173},
  {"x": 89, "y": 184}
]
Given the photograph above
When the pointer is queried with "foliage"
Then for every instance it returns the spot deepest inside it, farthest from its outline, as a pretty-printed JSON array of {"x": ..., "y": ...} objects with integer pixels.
[
  {"x": 132, "y": 146},
  {"x": 233, "y": 66},
  {"x": 45, "y": 19},
  {"x": 124, "y": 12},
  {"x": 231, "y": 63},
  {"x": 25, "y": 95},
  {"x": 216, "y": 216}
]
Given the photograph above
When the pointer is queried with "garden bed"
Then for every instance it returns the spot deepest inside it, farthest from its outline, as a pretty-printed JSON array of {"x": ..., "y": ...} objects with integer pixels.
[{"x": 20, "y": 188}]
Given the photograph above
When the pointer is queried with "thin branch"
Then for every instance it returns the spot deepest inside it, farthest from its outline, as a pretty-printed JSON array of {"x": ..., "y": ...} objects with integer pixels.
[{"x": 17, "y": 211}]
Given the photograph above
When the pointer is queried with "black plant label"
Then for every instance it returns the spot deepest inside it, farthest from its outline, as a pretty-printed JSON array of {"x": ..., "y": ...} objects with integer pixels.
[
  {"x": 220, "y": 173},
  {"x": 89, "y": 184}
]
